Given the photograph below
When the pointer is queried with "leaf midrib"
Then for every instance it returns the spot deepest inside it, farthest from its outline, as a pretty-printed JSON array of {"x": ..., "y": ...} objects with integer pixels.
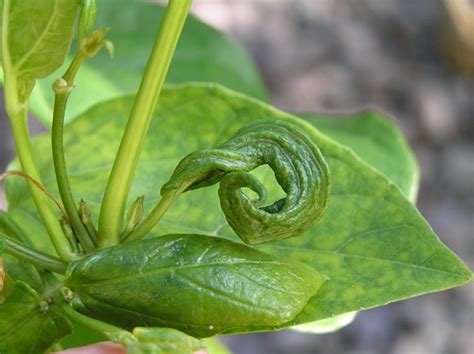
[
  {"x": 33, "y": 48},
  {"x": 335, "y": 253},
  {"x": 171, "y": 268}
]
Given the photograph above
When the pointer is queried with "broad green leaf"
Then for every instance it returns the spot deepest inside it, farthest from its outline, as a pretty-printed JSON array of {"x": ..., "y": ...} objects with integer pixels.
[
  {"x": 26, "y": 325},
  {"x": 377, "y": 141},
  {"x": 380, "y": 143},
  {"x": 203, "y": 54},
  {"x": 371, "y": 243},
  {"x": 39, "y": 34},
  {"x": 201, "y": 285}
]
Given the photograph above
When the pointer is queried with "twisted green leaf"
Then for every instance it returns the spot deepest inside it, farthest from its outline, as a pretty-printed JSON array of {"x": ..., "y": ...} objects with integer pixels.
[{"x": 299, "y": 168}]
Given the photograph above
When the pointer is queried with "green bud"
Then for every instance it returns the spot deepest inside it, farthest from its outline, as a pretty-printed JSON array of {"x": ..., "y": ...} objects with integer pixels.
[
  {"x": 67, "y": 228},
  {"x": 135, "y": 214},
  {"x": 69, "y": 233},
  {"x": 86, "y": 218},
  {"x": 91, "y": 45},
  {"x": 61, "y": 86},
  {"x": 85, "y": 213},
  {"x": 44, "y": 307},
  {"x": 67, "y": 294}
]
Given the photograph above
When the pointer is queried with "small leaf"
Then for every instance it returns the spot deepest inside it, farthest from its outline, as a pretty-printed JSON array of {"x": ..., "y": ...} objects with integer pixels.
[
  {"x": 149, "y": 340},
  {"x": 198, "y": 284},
  {"x": 26, "y": 325},
  {"x": 39, "y": 34},
  {"x": 328, "y": 325},
  {"x": 215, "y": 346}
]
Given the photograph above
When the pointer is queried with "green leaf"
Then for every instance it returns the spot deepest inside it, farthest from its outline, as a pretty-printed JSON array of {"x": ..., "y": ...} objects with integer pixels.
[
  {"x": 81, "y": 336},
  {"x": 203, "y": 54},
  {"x": 215, "y": 346},
  {"x": 372, "y": 243},
  {"x": 18, "y": 270},
  {"x": 39, "y": 34},
  {"x": 149, "y": 340},
  {"x": 377, "y": 141},
  {"x": 328, "y": 325},
  {"x": 26, "y": 324},
  {"x": 198, "y": 284},
  {"x": 380, "y": 143}
]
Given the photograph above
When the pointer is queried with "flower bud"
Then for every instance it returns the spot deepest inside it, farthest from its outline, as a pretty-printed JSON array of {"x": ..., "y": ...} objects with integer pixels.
[{"x": 135, "y": 214}]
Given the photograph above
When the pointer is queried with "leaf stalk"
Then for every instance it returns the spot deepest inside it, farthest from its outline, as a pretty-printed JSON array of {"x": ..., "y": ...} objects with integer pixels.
[{"x": 37, "y": 258}]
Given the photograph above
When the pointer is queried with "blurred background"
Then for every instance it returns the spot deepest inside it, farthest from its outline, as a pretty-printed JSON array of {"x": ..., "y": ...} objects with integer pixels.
[{"x": 413, "y": 59}]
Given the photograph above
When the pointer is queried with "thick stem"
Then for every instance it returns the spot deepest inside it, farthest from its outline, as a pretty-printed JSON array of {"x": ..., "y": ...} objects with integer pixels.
[
  {"x": 49, "y": 217},
  {"x": 17, "y": 112},
  {"x": 37, "y": 258},
  {"x": 62, "y": 89},
  {"x": 118, "y": 186}
]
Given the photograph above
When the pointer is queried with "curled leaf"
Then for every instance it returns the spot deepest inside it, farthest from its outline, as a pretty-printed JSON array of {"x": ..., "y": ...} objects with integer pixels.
[{"x": 299, "y": 168}]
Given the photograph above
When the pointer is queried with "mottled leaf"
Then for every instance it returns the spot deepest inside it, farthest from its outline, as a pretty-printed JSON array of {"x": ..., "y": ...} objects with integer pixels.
[
  {"x": 377, "y": 141},
  {"x": 372, "y": 243},
  {"x": 380, "y": 143}
]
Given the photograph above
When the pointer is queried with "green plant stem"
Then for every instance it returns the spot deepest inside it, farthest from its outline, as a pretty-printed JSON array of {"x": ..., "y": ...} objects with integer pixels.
[
  {"x": 17, "y": 110},
  {"x": 114, "y": 333},
  {"x": 49, "y": 217},
  {"x": 37, "y": 258},
  {"x": 152, "y": 219},
  {"x": 63, "y": 88},
  {"x": 118, "y": 186}
]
